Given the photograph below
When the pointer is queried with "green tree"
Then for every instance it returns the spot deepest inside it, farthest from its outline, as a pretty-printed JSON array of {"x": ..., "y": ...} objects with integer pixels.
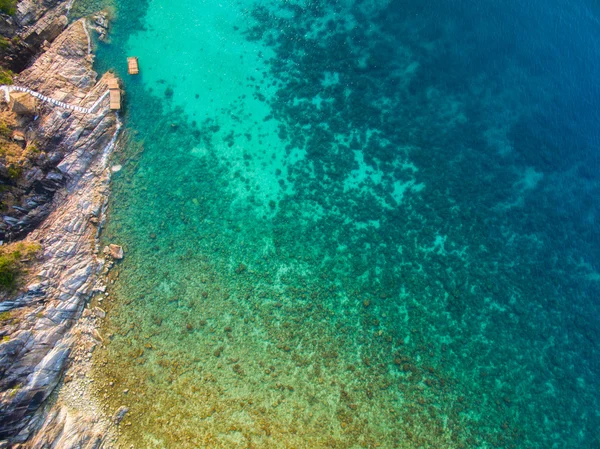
[{"x": 8, "y": 6}]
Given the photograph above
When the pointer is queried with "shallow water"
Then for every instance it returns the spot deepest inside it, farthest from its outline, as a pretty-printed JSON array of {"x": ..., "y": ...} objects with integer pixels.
[{"x": 355, "y": 225}]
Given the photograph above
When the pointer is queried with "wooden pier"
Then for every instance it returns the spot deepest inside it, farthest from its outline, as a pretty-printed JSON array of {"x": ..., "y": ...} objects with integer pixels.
[
  {"x": 115, "y": 93},
  {"x": 133, "y": 65}
]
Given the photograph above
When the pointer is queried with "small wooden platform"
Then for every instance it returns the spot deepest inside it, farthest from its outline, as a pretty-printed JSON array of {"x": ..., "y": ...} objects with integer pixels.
[
  {"x": 132, "y": 65},
  {"x": 113, "y": 83},
  {"x": 114, "y": 93}
]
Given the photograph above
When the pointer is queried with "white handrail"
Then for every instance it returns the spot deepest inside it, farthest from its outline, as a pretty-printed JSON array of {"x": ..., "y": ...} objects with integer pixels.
[{"x": 8, "y": 89}]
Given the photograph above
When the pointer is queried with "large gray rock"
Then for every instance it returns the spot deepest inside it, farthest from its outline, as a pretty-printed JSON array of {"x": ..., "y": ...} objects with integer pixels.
[
  {"x": 31, "y": 12},
  {"x": 33, "y": 23},
  {"x": 40, "y": 337}
]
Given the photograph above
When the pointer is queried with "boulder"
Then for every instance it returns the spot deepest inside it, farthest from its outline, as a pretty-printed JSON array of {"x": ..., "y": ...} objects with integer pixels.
[
  {"x": 114, "y": 251},
  {"x": 18, "y": 136}
]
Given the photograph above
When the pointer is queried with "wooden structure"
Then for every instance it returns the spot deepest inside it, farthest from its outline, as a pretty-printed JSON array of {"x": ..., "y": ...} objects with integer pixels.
[
  {"x": 22, "y": 103},
  {"x": 114, "y": 93},
  {"x": 132, "y": 65}
]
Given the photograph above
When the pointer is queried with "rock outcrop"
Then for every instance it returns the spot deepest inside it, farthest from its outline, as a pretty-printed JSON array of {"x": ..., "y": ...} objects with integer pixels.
[
  {"x": 34, "y": 23},
  {"x": 38, "y": 334},
  {"x": 41, "y": 180}
]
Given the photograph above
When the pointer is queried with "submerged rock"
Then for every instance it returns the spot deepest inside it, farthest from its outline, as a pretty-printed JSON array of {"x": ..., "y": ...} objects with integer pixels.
[
  {"x": 100, "y": 313},
  {"x": 120, "y": 414}
]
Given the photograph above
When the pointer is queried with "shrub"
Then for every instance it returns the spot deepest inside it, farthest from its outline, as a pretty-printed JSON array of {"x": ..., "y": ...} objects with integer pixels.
[
  {"x": 5, "y": 131},
  {"x": 6, "y": 76},
  {"x": 8, "y": 6},
  {"x": 33, "y": 148},
  {"x": 14, "y": 171},
  {"x": 12, "y": 263}
]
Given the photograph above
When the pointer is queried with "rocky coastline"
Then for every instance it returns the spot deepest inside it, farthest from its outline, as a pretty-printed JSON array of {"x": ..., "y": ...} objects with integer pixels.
[{"x": 47, "y": 335}]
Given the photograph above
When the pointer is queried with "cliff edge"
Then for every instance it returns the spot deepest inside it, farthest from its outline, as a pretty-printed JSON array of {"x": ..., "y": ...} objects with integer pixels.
[{"x": 37, "y": 331}]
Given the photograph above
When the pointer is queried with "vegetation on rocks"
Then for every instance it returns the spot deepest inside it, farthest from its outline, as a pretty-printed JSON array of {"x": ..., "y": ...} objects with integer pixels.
[
  {"x": 8, "y": 6},
  {"x": 6, "y": 75},
  {"x": 13, "y": 263},
  {"x": 13, "y": 157}
]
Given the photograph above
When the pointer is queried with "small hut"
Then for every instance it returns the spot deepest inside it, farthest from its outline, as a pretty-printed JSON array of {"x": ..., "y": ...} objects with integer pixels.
[
  {"x": 22, "y": 103},
  {"x": 114, "y": 93}
]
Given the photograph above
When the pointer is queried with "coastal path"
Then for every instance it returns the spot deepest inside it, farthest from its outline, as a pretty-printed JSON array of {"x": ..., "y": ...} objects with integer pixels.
[{"x": 39, "y": 96}]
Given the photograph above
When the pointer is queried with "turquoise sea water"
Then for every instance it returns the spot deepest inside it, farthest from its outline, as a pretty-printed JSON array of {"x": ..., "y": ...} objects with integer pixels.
[{"x": 356, "y": 224}]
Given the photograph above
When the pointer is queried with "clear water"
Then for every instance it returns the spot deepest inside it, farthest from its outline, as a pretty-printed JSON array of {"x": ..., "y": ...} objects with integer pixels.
[{"x": 356, "y": 224}]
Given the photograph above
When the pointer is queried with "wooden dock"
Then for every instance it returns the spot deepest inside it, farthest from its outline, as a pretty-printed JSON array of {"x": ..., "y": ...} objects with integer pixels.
[
  {"x": 133, "y": 65},
  {"x": 115, "y": 93}
]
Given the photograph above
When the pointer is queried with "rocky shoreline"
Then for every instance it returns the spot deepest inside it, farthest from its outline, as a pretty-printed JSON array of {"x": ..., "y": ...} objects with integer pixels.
[{"x": 48, "y": 335}]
